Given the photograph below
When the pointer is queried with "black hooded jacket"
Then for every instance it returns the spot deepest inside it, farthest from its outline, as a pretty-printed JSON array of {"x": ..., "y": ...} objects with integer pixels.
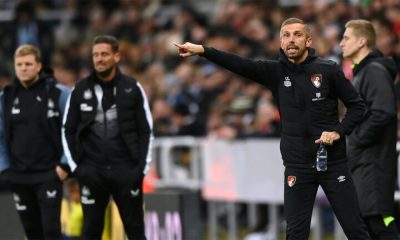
[
  {"x": 374, "y": 79},
  {"x": 32, "y": 120},
  {"x": 372, "y": 145},
  {"x": 307, "y": 96}
]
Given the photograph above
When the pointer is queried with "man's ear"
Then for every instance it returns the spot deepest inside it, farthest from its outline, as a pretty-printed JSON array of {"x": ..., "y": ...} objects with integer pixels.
[
  {"x": 40, "y": 67},
  {"x": 362, "y": 42},
  {"x": 117, "y": 57},
  {"x": 308, "y": 42}
]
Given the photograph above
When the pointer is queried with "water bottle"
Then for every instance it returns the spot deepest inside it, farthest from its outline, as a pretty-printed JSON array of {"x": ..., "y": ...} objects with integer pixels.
[{"x": 321, "y": 162}]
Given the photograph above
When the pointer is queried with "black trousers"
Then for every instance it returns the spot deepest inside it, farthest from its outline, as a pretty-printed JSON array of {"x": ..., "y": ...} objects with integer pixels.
[
  {"x": 39, "y": 208},
  {"x": 96, "y": 187},
  {"x": 301, "y": 186}
]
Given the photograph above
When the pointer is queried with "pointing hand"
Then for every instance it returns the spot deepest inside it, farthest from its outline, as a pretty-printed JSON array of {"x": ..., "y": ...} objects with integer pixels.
[{"x": 189, "y": 49}]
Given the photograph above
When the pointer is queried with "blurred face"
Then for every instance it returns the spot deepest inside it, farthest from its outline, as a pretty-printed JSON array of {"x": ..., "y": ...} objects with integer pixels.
[
  {"x": 350, "y": 44},
  {"x": 294, "y": 42},
  {"x": 27, "y": 69},
  {"x": 104, "y": 60}
]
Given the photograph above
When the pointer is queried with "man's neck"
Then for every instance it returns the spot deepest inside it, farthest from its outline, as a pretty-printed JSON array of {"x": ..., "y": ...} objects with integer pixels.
[
  {"x": 363, "y": 53},
  {"x": 27, "y": 84}
]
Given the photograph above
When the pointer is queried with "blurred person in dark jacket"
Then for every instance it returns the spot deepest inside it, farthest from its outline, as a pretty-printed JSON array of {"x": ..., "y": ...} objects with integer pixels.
[
  {"x": 372, "y": 145},
  {"x": 107, "y": 137},
  {"x": 32, "y": 163},
  {"x": 26, "y": 28},
  {"x": 183, "y": 123}
]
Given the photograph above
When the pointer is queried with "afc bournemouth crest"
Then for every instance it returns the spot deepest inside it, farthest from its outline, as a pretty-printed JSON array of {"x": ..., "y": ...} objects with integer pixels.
[
  {"x": 316, "y": 80},
  {"x": 291, "y": 180}
]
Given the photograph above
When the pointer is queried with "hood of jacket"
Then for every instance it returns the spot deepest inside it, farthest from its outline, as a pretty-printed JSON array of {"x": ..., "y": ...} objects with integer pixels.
[
  {"x": 300, "y": 66},
  {"x": 377, "y": 56}
]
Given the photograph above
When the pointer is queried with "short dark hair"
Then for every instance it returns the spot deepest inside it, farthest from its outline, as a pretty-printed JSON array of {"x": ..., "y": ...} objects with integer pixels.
[
  {"x": 297, "y": 20},
  {"x": 108, "y": 39}
]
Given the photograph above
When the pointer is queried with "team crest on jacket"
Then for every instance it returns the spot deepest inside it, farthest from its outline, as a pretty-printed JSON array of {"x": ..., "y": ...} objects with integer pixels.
[
  {"x": 316, "y": 80},
  {"x": 291, "y": 180},
  {"x": 87, "y": 94}
]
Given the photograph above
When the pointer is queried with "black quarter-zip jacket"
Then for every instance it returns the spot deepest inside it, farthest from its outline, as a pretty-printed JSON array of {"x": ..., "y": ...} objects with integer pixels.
[{"x": 307, "y": 95}]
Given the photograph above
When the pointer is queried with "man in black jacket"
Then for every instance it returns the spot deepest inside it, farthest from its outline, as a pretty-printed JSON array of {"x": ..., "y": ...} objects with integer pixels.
[
  {"x": 372, "y": 145},
  {"x": 31, "y": 158},
  {"x": 107, "y": 139},
  {"x": 307, "y": 89}
]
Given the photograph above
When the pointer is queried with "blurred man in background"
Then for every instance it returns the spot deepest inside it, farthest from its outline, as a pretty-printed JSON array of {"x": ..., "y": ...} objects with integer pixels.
[
  {"x": 31, "y": 112},
  {"x": 372, "y": 145},
  {"x": 108, "y": 138}
]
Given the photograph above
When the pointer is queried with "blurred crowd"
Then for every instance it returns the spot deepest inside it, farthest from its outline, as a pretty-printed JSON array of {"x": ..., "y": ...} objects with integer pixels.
[{"x": 188, "y": 96}]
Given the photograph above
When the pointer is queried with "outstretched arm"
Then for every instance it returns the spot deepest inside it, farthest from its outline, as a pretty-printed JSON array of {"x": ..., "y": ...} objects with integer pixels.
[{"x": 263, "y": 72}]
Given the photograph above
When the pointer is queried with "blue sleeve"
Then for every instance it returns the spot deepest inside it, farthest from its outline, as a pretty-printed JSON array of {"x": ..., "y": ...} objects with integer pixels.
[
  {"x": 4, "y": 156},
  {"x": 65, "y": 91}
]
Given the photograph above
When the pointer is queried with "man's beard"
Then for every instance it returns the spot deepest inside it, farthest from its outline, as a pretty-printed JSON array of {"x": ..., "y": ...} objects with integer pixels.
[
  {"x": 105, "y": 73},
  {"x": 299, "y": 54}
]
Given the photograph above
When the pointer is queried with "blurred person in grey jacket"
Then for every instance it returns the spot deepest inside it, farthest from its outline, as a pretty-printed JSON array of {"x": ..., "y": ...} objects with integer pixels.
[{"x": 372, "y": 145}]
